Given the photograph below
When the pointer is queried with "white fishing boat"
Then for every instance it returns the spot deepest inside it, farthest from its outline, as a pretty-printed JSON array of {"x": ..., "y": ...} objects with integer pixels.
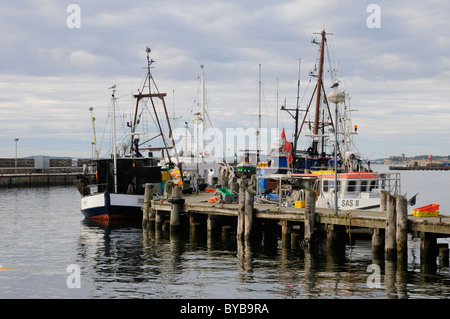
[{"x": 331, "y": 165}]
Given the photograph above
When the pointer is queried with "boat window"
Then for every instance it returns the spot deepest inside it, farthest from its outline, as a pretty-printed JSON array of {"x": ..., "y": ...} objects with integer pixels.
[
  {"x": 351, "y": 187},
  {"x": 373, "y": 184},
  {"x": 363, "y": 186},
  {"x": 325, "y": 186}
]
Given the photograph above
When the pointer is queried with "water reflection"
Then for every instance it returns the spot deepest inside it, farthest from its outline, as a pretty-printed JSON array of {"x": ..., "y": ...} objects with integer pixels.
[{"x": 154, "y": 262}]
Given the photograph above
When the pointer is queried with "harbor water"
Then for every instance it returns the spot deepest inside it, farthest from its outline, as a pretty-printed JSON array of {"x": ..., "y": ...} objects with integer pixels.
[{"x": 48, "y": 251}]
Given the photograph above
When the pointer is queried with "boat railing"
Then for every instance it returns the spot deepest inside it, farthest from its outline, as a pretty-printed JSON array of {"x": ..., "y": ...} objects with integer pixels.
[{"x": 360, "y": 183}]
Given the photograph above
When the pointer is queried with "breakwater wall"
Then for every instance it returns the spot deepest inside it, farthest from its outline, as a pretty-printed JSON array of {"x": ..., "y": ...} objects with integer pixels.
[
  {"x": 37, "y": 179},
  {"x": 30, "y": 165}
]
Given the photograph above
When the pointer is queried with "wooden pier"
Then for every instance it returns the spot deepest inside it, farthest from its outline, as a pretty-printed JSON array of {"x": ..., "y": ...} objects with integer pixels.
[{"x": 388, "y": 228}]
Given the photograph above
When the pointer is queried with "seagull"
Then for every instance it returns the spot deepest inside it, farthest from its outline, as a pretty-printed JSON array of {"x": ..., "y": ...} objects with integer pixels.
[{"x": 112, "y": 87}]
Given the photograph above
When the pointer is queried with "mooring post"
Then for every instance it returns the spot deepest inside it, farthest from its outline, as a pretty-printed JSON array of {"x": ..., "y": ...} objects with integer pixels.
[
  {"x": 310, "y": 210},
  {"x": 390, "y": 234},
  {"x": 248, "y": 223},
  {"x": 335, "y": 237},
  {"x": 168, "y": 189},
  {"x": 383, "y": 200},
  {"x": 401, "y": 208},
  {"x": 443, "y": 255},
  {"x": 377, "y": 243},
  {"x": 226, "y": 233},
  {"x": 241, "y": 210},
  {"x": 211, "y": 225},
  {"x": 177, "y": 206},
  {"x": 428, "y": 247},
  {"x": 286, "y": 231},
  {"x": 148, "y": 196},
  {"x": 159, "y": 219}
]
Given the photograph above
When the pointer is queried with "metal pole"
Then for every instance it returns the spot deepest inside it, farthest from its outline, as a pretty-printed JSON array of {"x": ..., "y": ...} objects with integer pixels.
[
  {"x": 15, "y": 162},
  {"x": 335, "y": 163}
]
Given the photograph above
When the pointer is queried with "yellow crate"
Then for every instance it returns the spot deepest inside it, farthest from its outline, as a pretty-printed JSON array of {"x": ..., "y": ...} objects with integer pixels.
[
  {"x": 425, "y": 214},
  {"x": 299, "y": 204}
]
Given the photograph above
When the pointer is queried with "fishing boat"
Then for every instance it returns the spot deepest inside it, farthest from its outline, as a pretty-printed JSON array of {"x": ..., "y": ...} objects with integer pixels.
[
  {"x": 330, "y": 165},
  {"x": 113, "y": 188}
]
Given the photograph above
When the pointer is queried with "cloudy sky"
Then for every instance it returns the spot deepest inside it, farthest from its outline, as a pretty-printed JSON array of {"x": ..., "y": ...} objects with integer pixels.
[{"x": 52, "y": 70}]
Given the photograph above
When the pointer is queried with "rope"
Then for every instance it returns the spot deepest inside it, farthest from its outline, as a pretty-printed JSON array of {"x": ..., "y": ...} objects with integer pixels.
[{"x": 348, "y": 217}]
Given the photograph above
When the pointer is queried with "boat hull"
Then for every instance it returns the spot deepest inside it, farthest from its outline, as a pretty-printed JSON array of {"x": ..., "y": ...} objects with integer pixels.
[{"x": 111, "y": 206}]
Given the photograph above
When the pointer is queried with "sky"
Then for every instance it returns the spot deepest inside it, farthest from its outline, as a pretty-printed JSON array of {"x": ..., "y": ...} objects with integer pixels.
[{"x": 57, "y": 60}]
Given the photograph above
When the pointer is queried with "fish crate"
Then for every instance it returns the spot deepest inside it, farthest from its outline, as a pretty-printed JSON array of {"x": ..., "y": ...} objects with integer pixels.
[{"x": 431, "y": 210}]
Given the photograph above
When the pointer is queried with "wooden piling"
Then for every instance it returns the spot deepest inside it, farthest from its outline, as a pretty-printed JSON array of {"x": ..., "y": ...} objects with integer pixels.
[
  {"x": 241, "y": 210},
  {"x": 390, "y": 233},
  {"x": 286, "y": 231},
  {"x": 428, "y": 247},
  {"x": 226, "y": 233},
  {"x": 295, "y": 240},
  {"x": 377, "y": 243},
  {"x": 401, "y": 208},
  {"x": 335, "y": 237},
  {"x": 383, "y": 200},
  {"x": 443, "y": 256},
  {"x": 310, "y": 209},
  {"x": 177, "y": 205},
  {"x": 248, "y": 223},
  {"x": 168, "y": 189},
  {"x": 158, "y": 219},
  {"x": 148, "y": 196},
  {"x": 211, "y": 225}
]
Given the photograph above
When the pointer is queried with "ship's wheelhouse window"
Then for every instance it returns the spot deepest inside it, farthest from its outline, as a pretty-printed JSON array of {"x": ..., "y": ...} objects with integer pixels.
[
  {"x": 351, "y": 187},
  {"x": 363, "y": 186},
  {"x": 373, "y": 184},
  {"x": 325, "y": 186}
]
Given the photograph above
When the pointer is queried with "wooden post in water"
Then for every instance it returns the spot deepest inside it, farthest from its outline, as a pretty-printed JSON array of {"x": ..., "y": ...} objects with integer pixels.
[
  {"x": 336, "y": 237},
  {"x": 177, "y": 206},
  {"x": 428, "y": 247},
  {"x": 211, "y": 225},
  {"x": 310, "y": 210},
  {"x": 241, "y": 210},
  {"x": 286, "y": 231},
  {"x": 443, "y": 256},
  {"x": 401, "y": 208},
  {"x": 383, "y": 201},
  {"x": 148, "y": 196},
  {"x": 390, "y": 234},
  {"x": 226, "y": 233},
  {"x": 377, "y": 243},
  {"x": 248, "y": 223}
]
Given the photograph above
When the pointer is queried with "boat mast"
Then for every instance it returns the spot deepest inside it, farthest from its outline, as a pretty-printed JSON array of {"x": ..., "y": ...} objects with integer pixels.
[
  {"x": 258, "y": 132},
  {"x": 114, "y": 137},
  {"x": 202, "y": 109},
  {"x": 296, "y": 109},
  {"x": 319, "y": 87}
]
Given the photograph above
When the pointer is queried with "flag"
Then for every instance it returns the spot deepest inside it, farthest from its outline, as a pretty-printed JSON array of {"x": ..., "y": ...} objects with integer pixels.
[
  {"x": 287, "y": 146},
  {"x": 290, "y": 159},
  {"x": 283, "y": 135}
]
